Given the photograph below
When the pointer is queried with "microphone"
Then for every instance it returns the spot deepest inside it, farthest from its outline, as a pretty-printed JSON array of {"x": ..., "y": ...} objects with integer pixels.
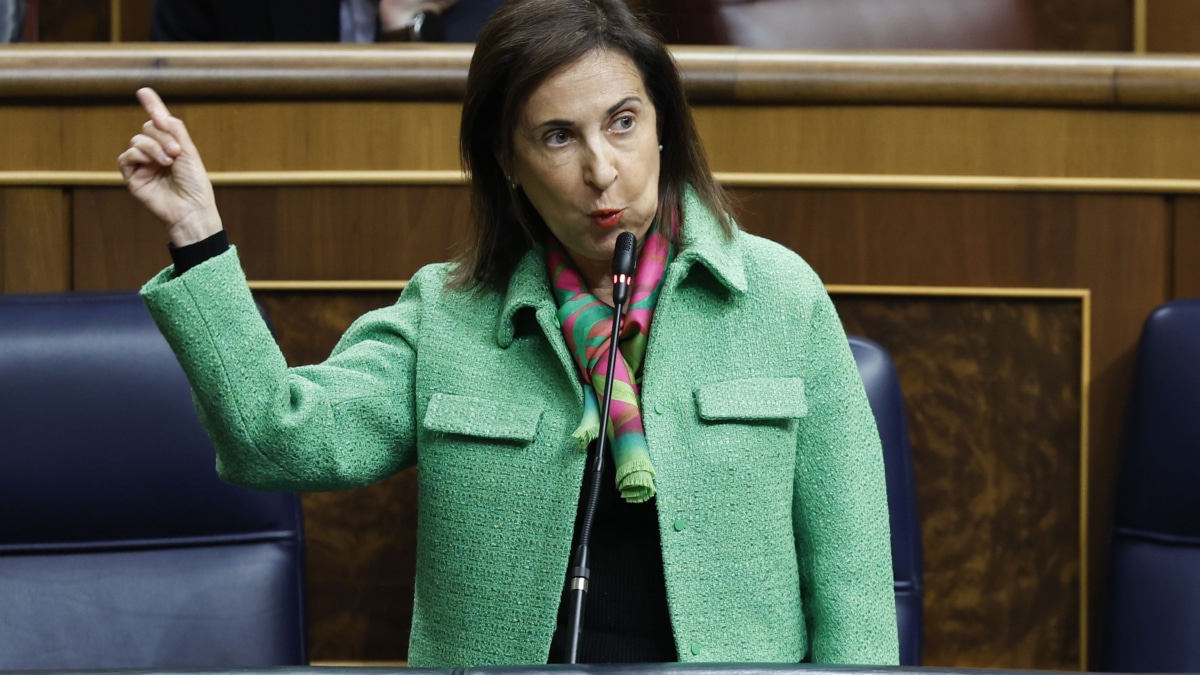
[{"x": 622, "y": 267}]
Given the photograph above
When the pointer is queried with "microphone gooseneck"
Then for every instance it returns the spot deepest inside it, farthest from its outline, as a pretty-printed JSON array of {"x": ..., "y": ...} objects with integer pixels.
[{"x": 624, "y": 258}]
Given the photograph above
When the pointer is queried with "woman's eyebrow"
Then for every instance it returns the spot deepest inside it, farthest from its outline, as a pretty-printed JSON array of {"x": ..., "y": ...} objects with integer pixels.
[
  {"x": 614, "y": 108},
  {"x": 621, "y": 104}
]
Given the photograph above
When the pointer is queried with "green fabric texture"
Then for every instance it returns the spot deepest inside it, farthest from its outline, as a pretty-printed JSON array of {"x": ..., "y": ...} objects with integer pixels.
[{"x": 771, "y": 496}]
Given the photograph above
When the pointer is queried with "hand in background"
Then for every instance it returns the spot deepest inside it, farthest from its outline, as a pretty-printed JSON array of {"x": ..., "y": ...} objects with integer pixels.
[
  {"x": 393, "y": 14},
  {"x": 163, "y": 170}
]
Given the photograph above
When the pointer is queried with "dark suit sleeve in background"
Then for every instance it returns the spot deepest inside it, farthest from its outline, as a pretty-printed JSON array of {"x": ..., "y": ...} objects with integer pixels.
[{"x": 245, "y": 21}]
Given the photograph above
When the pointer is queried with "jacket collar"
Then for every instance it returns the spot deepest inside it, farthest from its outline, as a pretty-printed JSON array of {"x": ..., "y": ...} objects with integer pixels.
[{"x": 704, "y": 243}]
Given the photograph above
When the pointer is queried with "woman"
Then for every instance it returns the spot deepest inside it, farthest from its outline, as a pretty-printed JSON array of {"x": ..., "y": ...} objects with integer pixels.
[{"x": 746, "y": 517}]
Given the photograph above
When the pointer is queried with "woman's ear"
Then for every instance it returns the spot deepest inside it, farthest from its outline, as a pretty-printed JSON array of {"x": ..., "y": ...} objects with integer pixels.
[{"x": 506, "y": 169}]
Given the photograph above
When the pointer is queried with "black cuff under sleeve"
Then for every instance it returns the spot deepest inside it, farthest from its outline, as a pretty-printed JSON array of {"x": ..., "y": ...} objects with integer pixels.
[{"x": 187, "y": 257}]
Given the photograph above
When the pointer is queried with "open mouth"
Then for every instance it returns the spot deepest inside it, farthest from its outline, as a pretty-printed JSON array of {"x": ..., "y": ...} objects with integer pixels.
[{"x": 606, "y": 217}]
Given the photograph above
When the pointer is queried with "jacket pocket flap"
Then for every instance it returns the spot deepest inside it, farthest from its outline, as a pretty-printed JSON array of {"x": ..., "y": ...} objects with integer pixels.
[
  {"x": 763, "y": 398},
  {"x": 470, "y": 416}
]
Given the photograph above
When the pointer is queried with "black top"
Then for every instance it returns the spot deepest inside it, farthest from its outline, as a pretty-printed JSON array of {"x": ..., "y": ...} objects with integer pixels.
[{"x": 625, "y": 618}]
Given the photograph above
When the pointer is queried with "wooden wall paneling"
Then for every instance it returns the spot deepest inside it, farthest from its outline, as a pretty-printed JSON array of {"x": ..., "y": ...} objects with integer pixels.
[
  {"x": 947, "y": 141},
  {"x": 930, "y": 141},
  {"x": 993, "y": 390},
  {"x": 132, "y": 20},
  {"x": 37, "y": 140},
  {"x": 1172, "y": 26},
  {"x": 1186, "y": 248},
  {"x": 1084, "y": 25},
  {"x": 1116, "y": 246},
  {"x": 30, "y": 32},
  {"x": 324, "y": 135},
  {"x": 384, "y": 232},
  {"x": 361, "y": 555},
  {"x": 35, "y": 240},
  {"x": 74, "y": 20},
  {"x": 241, "y": 136},
  {"x": 118, "y": 245}
]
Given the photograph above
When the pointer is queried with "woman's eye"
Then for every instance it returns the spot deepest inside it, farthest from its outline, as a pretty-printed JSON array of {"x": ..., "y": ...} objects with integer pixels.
[
  {"x": 624, "y": 123},
  {"x": 558, "y": 139}
]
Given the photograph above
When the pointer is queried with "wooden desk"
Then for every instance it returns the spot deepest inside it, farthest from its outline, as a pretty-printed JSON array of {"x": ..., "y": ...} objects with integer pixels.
[{"x": 1002, "y": 224}]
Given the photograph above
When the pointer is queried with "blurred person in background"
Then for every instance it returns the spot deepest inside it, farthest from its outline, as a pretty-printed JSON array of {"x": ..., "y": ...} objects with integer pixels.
[
  {"x": 12, "y": 20},
  {"x": 319, "y": 20}
]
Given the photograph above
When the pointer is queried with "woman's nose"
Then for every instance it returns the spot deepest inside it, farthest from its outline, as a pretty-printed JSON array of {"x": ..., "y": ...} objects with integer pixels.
[{"x": 601, "y": 169}]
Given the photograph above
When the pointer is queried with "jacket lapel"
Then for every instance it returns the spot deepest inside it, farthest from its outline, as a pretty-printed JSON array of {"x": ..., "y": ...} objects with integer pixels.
[{"x": 529, "y": 289}]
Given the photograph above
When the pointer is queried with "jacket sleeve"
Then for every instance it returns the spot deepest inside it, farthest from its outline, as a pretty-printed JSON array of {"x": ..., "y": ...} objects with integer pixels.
[
  {"x": 343, "y": 423},
  {"x": 840, "y": 512}
]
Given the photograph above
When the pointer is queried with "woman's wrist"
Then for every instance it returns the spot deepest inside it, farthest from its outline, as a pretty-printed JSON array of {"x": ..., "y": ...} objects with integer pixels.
[{"x": 194, "y": 227}]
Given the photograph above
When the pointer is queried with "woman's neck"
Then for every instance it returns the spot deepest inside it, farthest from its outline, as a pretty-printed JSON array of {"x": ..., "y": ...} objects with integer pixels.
[{"x": 597, "y": 274}]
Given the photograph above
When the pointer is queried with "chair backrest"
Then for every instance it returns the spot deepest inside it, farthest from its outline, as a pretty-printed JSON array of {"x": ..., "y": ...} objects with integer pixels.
[
  {"x": 887, "y": 402},
  {"x": 1152, "y": 614},
  {"x": 119, "y": 546}
]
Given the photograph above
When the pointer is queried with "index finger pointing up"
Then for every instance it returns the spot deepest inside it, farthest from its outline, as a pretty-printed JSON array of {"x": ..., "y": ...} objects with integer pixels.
[
  {"x": 161, "y": 117},
  {"x": 154, "y": 106}
]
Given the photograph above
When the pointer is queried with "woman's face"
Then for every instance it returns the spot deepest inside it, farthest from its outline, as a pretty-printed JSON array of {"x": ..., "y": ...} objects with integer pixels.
[{"x": 586, "y": 154}]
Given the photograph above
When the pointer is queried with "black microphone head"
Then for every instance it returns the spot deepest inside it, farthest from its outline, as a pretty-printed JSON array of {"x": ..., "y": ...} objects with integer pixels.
[{"x": 623, "y": 254}]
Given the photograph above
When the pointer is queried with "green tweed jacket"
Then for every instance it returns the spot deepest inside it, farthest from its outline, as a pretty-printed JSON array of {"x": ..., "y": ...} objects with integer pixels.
[{"x": 771, "y": 495}]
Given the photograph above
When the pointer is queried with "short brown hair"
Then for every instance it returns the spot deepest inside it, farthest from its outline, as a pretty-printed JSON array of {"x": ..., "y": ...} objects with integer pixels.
[{"x": 525, "y": 42}]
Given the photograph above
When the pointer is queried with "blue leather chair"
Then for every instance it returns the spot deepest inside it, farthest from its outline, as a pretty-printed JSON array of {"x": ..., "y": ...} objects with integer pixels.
[
  {"x": 119, "y": 546},
  {"x": 883, "y": 391},
  {"x": 1152, "y": 613}
]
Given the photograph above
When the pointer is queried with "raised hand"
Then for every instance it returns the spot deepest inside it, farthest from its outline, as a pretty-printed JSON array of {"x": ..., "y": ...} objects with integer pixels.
[{"x": 163, "y": 170}]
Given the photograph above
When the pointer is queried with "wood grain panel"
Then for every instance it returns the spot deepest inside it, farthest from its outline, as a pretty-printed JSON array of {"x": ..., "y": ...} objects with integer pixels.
[
  {"x": 74, "y": 20},
  {"x": 817, "y": 139},
  {"x": 241, "y": 137},
  {"x": 35, "y": 240},
  {"x": 1186, "y": 248},
  {"x": 947, "y": 141},
  {"x": 1172, "y": 26},
  {"x": 361, "y": 555},
  {"x": 281, "y": 233},
  {"x": 1084, "y": 25},
  {"x": 1116, "y": 246},
  {"x": 133, "y": 20},
  {"x": 992, "y": 387}
]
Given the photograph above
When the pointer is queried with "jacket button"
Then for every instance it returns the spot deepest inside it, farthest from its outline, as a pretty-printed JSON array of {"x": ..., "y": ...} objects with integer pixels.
[
  {"x": 680, "y": 525},
  {"x": 660, "y": 408},
  {"x": 695, "y": 648}
]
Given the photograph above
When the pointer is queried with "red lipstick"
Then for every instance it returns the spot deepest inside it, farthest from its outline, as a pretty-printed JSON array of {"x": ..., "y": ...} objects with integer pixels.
[{"x": 606, "y": 217}]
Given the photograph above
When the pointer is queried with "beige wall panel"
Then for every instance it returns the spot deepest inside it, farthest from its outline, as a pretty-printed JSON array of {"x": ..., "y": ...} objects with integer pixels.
[{"x": 35, "y": 240}]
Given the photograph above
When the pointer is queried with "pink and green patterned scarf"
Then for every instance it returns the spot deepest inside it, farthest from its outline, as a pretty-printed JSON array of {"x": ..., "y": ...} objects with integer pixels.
[{"x": 586, "y": 324}]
